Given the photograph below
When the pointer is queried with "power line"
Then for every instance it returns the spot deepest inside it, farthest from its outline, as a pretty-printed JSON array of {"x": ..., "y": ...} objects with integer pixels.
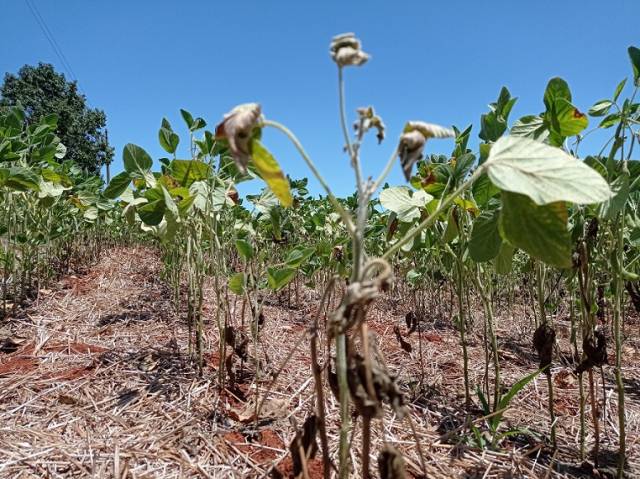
[{"x": 51, "y": 39}]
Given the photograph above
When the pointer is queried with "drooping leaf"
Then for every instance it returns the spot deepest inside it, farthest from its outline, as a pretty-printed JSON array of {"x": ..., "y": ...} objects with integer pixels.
[
  {"x": 245, "y": 250},
  {"x": 237, "y": 283},
  {"x": 298, "y": 255},
  {"x": 485, "y": 240},
  {"x": 503, "y": 262},
  {"x": 270, "y": 172},
  {"x": 539, "y": 230},
  {"x": 278, "y": 278},
  {"x": 544, "y": 173},
  {"x": 152, "y": 213}
]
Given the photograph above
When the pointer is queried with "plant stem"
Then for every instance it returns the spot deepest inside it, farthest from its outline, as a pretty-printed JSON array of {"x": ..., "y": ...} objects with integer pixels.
[
  {"x": 619, "y": 289},
  {"x": 346, "y": 217}
]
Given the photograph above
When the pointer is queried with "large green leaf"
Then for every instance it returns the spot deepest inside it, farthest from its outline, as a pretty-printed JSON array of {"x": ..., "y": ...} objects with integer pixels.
[
  {"x": 298, "y": 255},
  {"x": 117, "y": 185},
  {"x": 541, "y": 231},
  {"x": 19, "y": 178},
  {"x": 407, "y": 207},
  {"x": 136, "y": 159},
  {"x": 186, "y": 172},
  {"x": 278, "y": 278},
  {"x": 152, "y": 213},
  {"x": 270, "y": 172},
  {"x": 570, "y": 120},
  {"x": 544, "y": 173},
  {"x": 503, "y": 262},
  {"x": 485, "y": 240}
]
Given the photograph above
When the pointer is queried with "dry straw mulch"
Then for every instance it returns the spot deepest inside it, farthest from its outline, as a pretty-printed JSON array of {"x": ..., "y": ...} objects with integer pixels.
[{"x": 95, "y": 381}]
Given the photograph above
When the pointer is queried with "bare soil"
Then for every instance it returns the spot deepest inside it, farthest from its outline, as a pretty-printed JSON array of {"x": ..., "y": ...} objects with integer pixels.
[{"x": 97, "y": 382}]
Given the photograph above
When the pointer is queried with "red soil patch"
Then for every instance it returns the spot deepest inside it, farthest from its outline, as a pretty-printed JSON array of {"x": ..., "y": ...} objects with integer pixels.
[
  {"x": 314, "y": 468},
  {"x": 18, "y": 364},
  {"x": 258, "y": 454}
]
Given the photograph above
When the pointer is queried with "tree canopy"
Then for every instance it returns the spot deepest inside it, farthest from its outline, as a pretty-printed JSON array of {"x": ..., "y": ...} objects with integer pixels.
[{"x": 43, "y": 91}]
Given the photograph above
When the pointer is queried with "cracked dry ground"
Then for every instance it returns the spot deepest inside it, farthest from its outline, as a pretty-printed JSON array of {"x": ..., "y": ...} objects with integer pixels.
[{"x": 95, "y": 382}]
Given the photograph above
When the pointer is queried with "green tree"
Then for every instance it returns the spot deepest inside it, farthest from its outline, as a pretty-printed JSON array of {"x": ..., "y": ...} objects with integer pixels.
[{"x": 42, "y": 91}]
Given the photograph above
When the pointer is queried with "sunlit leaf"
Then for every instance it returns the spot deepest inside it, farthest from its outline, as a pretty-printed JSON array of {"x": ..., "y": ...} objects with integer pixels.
[
  {"x": 270, "y": 172},
  {"x": 544, "y": 173}
]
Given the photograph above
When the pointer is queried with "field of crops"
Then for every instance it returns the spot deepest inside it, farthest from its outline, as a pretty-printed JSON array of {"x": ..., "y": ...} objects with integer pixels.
[{"x": 480, "y": 320}]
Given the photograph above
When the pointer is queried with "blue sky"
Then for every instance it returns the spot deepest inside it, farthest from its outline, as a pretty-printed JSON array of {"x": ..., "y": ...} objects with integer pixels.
[{"x": 441, "y": 62}]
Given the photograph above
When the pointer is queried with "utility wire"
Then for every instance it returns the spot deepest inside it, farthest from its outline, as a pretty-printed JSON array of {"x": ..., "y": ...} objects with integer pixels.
[{"x": 51, "y": 39}]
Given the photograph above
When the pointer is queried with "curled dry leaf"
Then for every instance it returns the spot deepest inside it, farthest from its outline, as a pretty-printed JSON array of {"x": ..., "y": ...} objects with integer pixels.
[
  {"x": 346, "y": 50},
  {"x": 368, "y": 119},
  {"x": 237, "y": 128},
  {"x": 271, "y": 409},
  {"x": 543, "y": 341},
  {"x": 594, "y": 348},
  {"x": 413, "y": 139}
]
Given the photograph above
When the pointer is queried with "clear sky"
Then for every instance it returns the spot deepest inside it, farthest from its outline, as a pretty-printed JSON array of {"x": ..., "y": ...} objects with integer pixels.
[{"x": 441, "y": 62}]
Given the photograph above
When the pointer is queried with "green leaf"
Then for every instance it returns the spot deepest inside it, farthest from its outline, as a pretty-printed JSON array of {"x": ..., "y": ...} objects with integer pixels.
[
  {"x": 452, "y": 230},
  {"x": 556, "y": 89},
  {"x": 91, "y": 213},
  {"x": 117, "y": 185},
  {"x": 485, "y": 240},
  {"x": 238, "y": 283},
  {"x": 270, "y": 172},
  {"x": 513, "y": 390},
  {"x": 541, "y": 231},
  {"x": 503, "y": 262},
  {"x": 610, "y": 208},
  {"x": 136, "y": 159},
  {"x": 186, "y": 172},
  {"x": 19, "y": 178},
  {"x": 407, "y": 207},
  {"x": 571, "y": 121},
  {"x": 619, "y": 89},
  {"x": 168, "y": 140},
  {"x": 544, "y": 173},
  {"x": 530, "y": 126},
  {"x": 245, "y": 250},
  {"x": 278, "y": 278},
  {"x": 483, "y": 190},
  {"x": 298, "y": 255},
  {"x": 187, "y": 117},
  {"x": 152, "y": 213},
  {"x": 600, "y": 108},
  {"x": 634, "y": 56}
]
